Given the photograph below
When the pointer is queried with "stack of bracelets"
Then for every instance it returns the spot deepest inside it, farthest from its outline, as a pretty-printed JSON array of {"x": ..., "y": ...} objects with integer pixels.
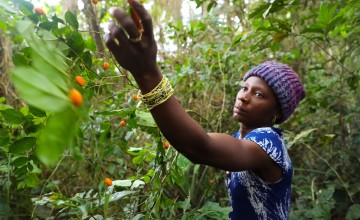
[{"x": 162, "y": 92}]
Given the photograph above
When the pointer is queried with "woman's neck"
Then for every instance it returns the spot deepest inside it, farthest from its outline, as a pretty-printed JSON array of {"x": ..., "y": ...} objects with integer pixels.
[{"x": 244, "y": 129}]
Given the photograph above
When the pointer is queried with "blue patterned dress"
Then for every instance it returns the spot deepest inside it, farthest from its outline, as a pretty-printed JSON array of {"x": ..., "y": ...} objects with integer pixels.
[{"x": 253, "y": 198}]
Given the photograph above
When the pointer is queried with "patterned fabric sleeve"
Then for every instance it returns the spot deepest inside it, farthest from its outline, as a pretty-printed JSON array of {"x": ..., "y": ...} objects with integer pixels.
[{"x": 271, "y": 142}]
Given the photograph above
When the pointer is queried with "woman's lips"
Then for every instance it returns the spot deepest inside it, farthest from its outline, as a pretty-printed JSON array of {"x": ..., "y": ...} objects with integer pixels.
[{"x": 239, "y": 110}]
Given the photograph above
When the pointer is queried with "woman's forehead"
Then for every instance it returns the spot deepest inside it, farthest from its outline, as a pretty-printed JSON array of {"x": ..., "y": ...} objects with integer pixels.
[{"x": 257, "y": 82}]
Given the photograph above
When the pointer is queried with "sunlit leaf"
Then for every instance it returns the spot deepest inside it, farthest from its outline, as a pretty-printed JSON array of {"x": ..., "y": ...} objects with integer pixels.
[
  {"x": 38, "y": 90},
  {"x": 118, "y": 195},
  {"x": 300, "y": 135},
  {"x": 57, "y": 136},
  {"x": 123, "y": 183}
]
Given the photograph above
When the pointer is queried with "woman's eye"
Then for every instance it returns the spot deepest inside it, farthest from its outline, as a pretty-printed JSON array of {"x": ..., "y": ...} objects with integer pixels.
[{"x": 259, "y": 95}]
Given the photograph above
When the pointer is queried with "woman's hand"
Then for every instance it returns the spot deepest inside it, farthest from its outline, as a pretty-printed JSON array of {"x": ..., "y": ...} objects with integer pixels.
[{"x": 134, "y": 49}]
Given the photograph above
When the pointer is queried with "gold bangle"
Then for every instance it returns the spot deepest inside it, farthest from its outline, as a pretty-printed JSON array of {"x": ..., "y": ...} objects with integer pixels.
[{"x": 162, "y": 92}]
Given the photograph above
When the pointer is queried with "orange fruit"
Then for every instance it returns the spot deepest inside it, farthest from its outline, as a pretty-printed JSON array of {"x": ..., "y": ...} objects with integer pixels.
[
  {"x": 135, "y": 97},
  {"x": 166, "y": 144},
  {"x": 122, "y": 123},
  {"x": 95, "y": 1},
  {"x": 79, "y": 80},
  {"x": 106, "y": 65},
  {"x": 39, "y": 11},
  {"x": 108, "y": 181},
  {"x": 76, "y": 97}
]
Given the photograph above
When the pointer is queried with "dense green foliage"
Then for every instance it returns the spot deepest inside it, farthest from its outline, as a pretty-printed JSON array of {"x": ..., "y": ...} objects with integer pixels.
[{"x": 54, "y": 156}]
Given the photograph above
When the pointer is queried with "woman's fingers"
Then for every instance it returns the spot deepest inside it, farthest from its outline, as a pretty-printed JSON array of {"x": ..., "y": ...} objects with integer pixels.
[
  {"x": 144, "y": 16},
  {"x": 126, "y": 22},
  {"x": 116, "y": 32}
]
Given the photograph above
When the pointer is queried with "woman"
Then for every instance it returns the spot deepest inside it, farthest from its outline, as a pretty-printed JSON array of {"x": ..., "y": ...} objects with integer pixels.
[{"x": 261, "y": 171}]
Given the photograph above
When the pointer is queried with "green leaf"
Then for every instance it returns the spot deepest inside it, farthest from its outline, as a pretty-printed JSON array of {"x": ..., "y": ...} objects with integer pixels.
[
  {"x": 24, "y": 27},
  {"x": 22, "y": 145},
  {"x": 122, "y": 183},
  {"x": 259, "y": 11},
  {"x": 20, "y": 161},
  {"x": 37, "y": 112},
  {"x": 12, "y": 116},
  {"x": 137, "y": 183},
  {"x": 138, "y": 160},
  {"x": 70, "y": 18},
  {"x": 48, "y": 61},
  {"x": 90, "y": 44},
  {"x": 326, "y": 13},
  {"x": 76, "y": 42},
  {"x": 145, "y": 119},
  {"x": 38, "y": 90},
  {"x": 7, "y": 7},
  {"x": 315, "y": 28},
  {"x": 87, "y": 59},
  {"x": 118, "y": 113},
  {"x": 353, "y": 212},
  {"x": 299, "y": 136},
  {"x": 3, "y": 26},
  {"x": 325, "y": 195},
  {"x": 57, "y": 136},
  {"x": 118, "y": 195},
  {"x": 31, "y": 180},
  {"x": 19, "y": 60}
]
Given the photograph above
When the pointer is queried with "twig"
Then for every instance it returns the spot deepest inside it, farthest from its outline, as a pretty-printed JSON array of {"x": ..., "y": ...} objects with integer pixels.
[
  {"x": 47, "y": 180},
  {"x": 224, "y": 92},
  {"x": 333, "y": 169}
]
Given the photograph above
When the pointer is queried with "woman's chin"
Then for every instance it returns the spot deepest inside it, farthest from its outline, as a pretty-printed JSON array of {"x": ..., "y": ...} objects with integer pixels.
[{"x": 236, "y": 117}]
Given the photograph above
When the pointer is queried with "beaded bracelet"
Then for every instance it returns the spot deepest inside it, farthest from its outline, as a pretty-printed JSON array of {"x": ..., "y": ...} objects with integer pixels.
[{"x": 162, "y": 92}]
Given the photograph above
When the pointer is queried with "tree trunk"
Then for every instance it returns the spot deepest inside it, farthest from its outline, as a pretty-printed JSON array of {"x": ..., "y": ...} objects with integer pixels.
[
  {"x": 6, "y": 88},
  {"x": 92, "y": 18}
]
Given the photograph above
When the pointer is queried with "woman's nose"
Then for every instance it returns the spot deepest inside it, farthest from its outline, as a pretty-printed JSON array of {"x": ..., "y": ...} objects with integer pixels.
[{"x": 243, "y": 96}]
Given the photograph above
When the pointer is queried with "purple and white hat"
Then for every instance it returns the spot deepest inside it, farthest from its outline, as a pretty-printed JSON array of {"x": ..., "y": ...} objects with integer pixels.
[{"x": 284, "y": 82}]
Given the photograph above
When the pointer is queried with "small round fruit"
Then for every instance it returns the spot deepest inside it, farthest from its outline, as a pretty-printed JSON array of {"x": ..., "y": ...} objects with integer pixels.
[
  {"x": 39, "y": 11},
  {"x": 108, "y": 181},
  {"x": 79, "y": 80},
  {"x": 135, "y": 97},
  {"x": 76, "y": 97},
  {"x": 122, "y": 123},
  {"x": 95, "y": 1},
  {"x": 166, "y": 144},
  {"x": 106, "y": 65}
]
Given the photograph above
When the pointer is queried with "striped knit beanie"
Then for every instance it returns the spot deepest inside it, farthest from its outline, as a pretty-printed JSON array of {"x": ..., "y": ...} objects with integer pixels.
[{"x": 284, "y": 82}]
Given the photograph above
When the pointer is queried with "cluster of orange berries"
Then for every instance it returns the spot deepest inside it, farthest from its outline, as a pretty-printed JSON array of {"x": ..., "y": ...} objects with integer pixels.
[{"x": 75, "y": 95}]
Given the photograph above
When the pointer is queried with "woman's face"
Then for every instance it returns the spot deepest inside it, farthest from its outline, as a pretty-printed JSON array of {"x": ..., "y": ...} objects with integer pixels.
[{"x": 256, "y": 104}]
